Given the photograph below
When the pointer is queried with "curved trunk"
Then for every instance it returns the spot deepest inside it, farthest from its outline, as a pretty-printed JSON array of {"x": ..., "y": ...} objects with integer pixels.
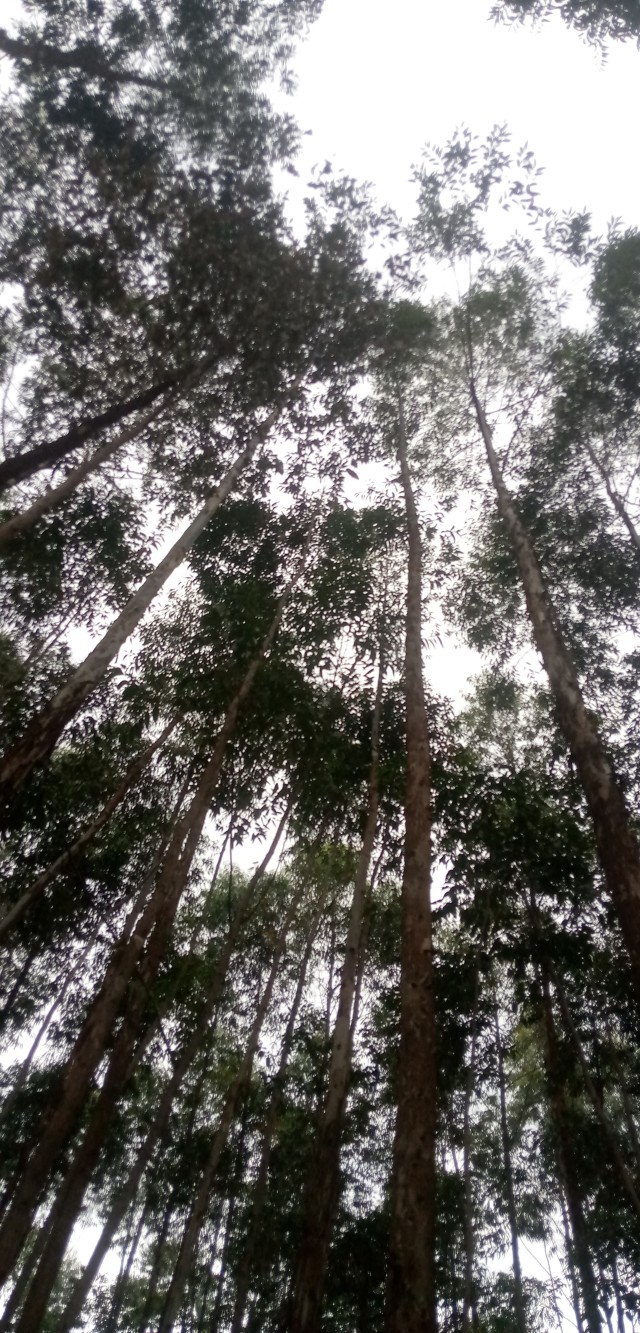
[
  {"x": 61, "y": 862},
  {"x": 219, "y": 1141},
  {"x": 324, "y": 1177},
  {"x": 154, "y": 926},
  {"x": 411, "y": 1305},
  {"x": 616, "y": 842},
  {"x": 45, "y": 729}
]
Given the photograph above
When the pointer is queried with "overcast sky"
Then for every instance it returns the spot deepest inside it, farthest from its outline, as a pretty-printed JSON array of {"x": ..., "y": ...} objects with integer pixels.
[{"x": 379, "y": 78}]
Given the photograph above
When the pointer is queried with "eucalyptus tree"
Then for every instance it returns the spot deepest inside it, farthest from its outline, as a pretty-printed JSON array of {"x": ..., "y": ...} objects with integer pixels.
[{"x": 505, "y": 329}]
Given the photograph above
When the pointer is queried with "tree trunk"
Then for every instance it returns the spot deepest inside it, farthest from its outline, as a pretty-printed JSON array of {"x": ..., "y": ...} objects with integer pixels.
[
  {"x": 236, "y": 1088},
  {"x": 55, "y": 495},
  {"x": 160, "y": 1121},
  {"x": 44, "y": 731},
  {"x": 129, "y": 1252},
  {"x": 324, "y": 1177},
  {"x": 616, "y": 842},
  {"x": 411, "y": 1306},
  {"x": 567, "y": 1171},
  {"x": 249, "y": 1254},
  {"x": 61, "y": 862},
  {"x": 147, "y": 944},
  {"x": 519, "y": 1308},
  {"x": 236, "y": 1184}
]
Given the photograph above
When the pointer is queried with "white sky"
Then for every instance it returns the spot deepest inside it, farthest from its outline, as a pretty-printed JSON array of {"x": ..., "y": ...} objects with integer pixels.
[{"x": 377, "y": 80}]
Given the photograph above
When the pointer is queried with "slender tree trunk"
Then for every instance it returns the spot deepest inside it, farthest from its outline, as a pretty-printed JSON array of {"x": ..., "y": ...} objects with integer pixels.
[
  {"x": 55, "y": 495},
  {"x": 567, "y": 1171},
  {"x": 614, "y": 496},
  {"x": 158, "y": 1127},
  {"x": 469, "y": 1307},
  {"x": 231, "y": 1214},
  {"x": 324, "y": 1177},
  {"x": 154, "y": 1276},
  {"x": 147, "y": 943},
  {"x": 22, "y": 465},
  {"x": 519, "y": 1308},
  {"x": 135, "y": 770},
  {"x": 236, "y": 1089},
  {"x": 44, "y": 731},
  {"x": 411, "y": 1306},
  {"x": 129, "y": 1251},
  {"x": 250, "y": 1250},
  {"x": 568, "y": 1246},
  {"x": 622, "y": 1327},
  {"x": 616, "y": 842}
]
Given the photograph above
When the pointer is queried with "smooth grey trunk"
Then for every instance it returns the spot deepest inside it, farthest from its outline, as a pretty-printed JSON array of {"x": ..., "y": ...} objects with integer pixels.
[
  {"x": 324, "y": 1176},
  {"x": 66, "y": 858},
  {"x": 519, "y": 1308},
  {"x": 45, "y": 729},
  {"x": 617, "y": 845},
  {"x": 182, "y": 1065},
  {"x": 218, "y": 1143}
]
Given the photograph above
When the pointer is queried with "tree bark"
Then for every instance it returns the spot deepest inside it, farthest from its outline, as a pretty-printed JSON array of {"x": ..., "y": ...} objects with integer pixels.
[
  {"x": 411, "y": 1306},
  {"x": 147, "y": 944},
  {"x": 218, "y": 1143},
  {"x": 324, "y": 1177},
  {"x": 45, "y": 729},
  {"x": 61, "y": 862},
  {"x": 616, "y": 842},
  {"x": 519, "y": 1308},
  {"x": 160, "y": 1121}
]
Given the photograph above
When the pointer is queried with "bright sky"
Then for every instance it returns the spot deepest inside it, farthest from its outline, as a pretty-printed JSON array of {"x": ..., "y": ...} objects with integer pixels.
[{"x": 377, "y": 80}]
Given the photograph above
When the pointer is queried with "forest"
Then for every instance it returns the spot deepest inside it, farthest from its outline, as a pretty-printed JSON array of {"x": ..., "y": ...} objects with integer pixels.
[{"x": 319, "y": 991}]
